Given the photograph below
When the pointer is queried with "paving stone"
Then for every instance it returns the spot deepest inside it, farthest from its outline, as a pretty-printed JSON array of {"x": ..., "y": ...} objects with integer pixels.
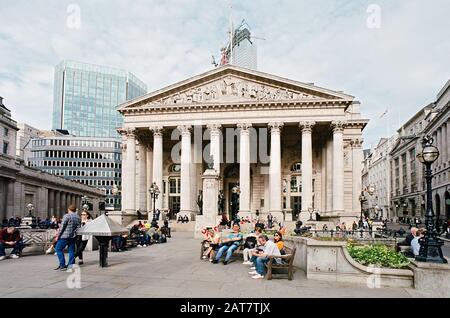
[{"x": 167, "y": 270}]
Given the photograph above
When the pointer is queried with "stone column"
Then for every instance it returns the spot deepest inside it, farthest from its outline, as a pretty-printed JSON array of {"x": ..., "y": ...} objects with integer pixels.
[
  {"x": 10, "y": 198},
  {"x": 50, "y": 203},
  {"x": 215, "y": 148},
  {"x": 62, "y": 203},
  {"x": 149, "y": 175},
  {"x": 77, "y": 202},
  {"x": 338, "y": 166},
  {"x": 244, "y": 170},
  {"x": 445, "y": 144},
  {"x": 356, "y": 173},
  {"x": 307, "y": 191},
  {"x": 288, "y": 215},
  {"x": 185, "y": 174},
  {"x": 158, "y": 163},
  {"x": 142, "y": 178},
  {"x": 329, "y": 176},
  {"x": 448, "y": 140},
  {"x": 439, "y": 144},
  {"x": 129, "y": 170},
  {"x": 275, "y": 170},
  {"x": 210, "y": 202}
]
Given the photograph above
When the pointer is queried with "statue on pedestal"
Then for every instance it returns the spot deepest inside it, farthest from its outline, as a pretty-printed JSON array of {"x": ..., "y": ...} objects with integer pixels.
[
  {"x": 200, "y": 201},
  {"x": 221, "y": 202}
]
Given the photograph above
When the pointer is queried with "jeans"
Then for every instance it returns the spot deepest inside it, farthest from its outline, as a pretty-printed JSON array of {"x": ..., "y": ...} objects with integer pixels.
[
  {"x": 60, "y": 245},
  {"x": 247, "y": 253},
  {"x": 81, "y": 245},
  {"x": 261, "y": 265},
  {"x": 16, "y": 248},
  {"x": 226, "y": 249}
]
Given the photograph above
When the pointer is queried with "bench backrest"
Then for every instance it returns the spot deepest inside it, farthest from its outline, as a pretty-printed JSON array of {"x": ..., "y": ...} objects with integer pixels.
[{"x": 291, "y": 252}]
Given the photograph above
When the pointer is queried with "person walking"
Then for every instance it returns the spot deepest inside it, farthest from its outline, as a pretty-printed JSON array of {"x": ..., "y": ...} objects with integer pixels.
[
  {"x": 82, "y": 240},
  {"x": 71, "y": 222}
]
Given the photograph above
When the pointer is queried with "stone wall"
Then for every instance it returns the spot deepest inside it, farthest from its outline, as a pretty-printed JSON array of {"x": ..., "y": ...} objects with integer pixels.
[{"x": 330, "y": 261}]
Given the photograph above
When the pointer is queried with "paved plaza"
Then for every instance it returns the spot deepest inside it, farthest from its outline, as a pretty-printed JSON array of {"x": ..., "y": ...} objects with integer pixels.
[{"x": 168, "y": 270}]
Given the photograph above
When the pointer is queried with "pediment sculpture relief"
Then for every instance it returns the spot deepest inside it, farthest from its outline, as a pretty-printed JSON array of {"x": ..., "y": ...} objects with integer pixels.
[{"x": 231, "y": 89}]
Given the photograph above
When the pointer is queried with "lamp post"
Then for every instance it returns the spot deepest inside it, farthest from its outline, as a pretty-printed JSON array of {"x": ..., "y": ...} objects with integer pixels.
[
  {"x": 154, "y": 192},
  {"x": 430, "y": 244},
  {"x": 362, "y": 198}
]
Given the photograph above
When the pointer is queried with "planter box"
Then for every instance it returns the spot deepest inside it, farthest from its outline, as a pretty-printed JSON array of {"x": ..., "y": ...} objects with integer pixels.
[{"x": 330, "y": 261}]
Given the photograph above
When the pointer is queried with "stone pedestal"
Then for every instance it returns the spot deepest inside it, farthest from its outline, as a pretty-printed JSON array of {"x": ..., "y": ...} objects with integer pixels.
[
  {"x": 432, "y": 277},
  {"x": 210, "y": 202},
  {"x": 122, "y": 217},
  {"x": 305, "y": 216},
  {"x": 288, "y": 216},
  {"x": 28, "y": 221}
]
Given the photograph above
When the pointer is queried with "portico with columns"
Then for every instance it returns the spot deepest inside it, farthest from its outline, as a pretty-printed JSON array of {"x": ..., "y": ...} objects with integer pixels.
[{"x": 288, "y": 148}]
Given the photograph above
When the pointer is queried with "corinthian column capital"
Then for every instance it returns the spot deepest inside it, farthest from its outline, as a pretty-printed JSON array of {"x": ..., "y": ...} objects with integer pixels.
[
  {"x": 157, "y": 130},
  {"x": 356, "y": 142},
  {"x": 214, "y": 128},
  {"x": 338, "y": 125},
  {"x": 306, "y": 126},
  {"x": 275, "y": 127},
  {"x": 244, "y": 126},
  {"x": 185, "y": 129}
]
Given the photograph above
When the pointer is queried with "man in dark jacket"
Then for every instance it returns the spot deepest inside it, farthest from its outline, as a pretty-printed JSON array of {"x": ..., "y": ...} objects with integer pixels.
[{"x": 10, "y": 238}]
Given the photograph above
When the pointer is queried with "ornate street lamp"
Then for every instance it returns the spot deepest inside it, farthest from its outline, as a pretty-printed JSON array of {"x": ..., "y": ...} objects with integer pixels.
[
  {"x": 430, "y": 244},
  {"x": 363, "y": 198},
  {"x": 154, "y": 192}
]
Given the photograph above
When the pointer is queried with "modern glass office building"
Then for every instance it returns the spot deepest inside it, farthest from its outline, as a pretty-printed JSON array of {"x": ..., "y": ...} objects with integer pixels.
[
  {"x": 86, "y": 95},
  {"x": 96, "y": 162}
]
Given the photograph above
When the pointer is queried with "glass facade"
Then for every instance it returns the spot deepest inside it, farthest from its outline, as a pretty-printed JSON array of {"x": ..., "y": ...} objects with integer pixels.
[
  {"x": 86, "y": 96},
  {"x": 96, "y": 162}
]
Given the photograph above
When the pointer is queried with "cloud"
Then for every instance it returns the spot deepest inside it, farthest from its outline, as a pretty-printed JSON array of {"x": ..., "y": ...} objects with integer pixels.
[{"x": 401, "y": 65}]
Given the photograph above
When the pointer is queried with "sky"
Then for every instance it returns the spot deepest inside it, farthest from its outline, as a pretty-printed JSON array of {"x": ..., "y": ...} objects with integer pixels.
[{"x": 391, "y": 55}]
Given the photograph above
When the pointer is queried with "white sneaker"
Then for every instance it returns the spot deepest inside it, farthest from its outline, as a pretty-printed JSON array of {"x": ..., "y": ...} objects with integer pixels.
[
  {"x": 145, "y": 245},
  {"x": 139, "y": 245},
  {"x": 258, "y": 276},
  {"x": 49, "y": 251},
  {"x": 14, "y": 256},
  {"x": 247, "y": 263},
  {"x": 2, "y": 258},
  {"x": 253, "y": 267},
  {"x": 252, "y": 273}
]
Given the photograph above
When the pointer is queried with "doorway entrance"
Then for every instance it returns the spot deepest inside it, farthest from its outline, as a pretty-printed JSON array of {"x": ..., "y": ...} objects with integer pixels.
[
  {"x": 296, "y": 204},
  {"x": 174, "y": 206}
]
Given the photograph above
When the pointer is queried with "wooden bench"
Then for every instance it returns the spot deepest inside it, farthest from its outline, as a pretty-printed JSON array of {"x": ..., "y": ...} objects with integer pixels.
[
  {"x": 286, "y": 264},
  {"x": 237, "y": 252}
]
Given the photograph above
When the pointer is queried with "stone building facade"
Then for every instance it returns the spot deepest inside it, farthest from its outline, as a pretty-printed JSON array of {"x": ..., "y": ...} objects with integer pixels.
[
  {"x": 21, "y": 185},
  {"x": 376, "y": 172},
  {"x": 407, "y": 173},
  {"x": 312, "y": 162}
]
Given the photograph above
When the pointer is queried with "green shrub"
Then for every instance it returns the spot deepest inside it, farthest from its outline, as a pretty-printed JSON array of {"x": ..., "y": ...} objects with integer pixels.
[{"x": 379, "y": 255}]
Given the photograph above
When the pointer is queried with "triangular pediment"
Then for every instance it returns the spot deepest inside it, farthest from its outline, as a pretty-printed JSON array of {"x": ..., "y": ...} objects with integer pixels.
[{"x": 232, "y": 84}]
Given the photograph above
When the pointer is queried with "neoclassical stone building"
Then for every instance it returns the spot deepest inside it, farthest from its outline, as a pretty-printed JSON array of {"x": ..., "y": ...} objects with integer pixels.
[{"x": 312, "y": 161}]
